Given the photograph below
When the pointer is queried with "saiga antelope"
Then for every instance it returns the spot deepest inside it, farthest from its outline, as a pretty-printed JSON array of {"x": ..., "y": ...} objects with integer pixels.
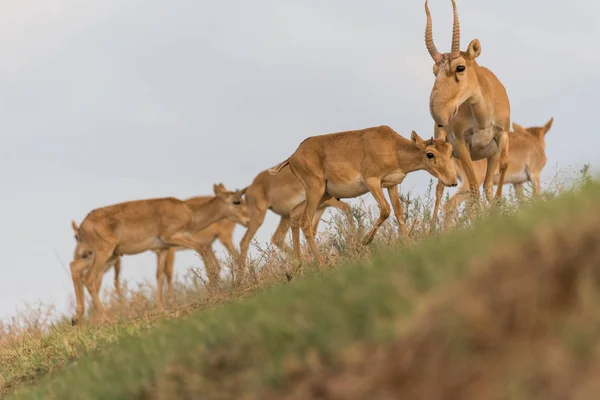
[
  {"x": 527, "y": 158},
  {"x": 283, "y": 194},
  {"x": 470, "y": 103},
  {"x": 165, "y": 258},
  {"x": 137, "y": 226},
  {"x": 350, "y": 164}
]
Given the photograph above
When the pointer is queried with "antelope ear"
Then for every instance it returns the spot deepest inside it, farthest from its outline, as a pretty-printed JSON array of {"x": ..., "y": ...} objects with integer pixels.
[
  {"x": 218, "y": 189},
  {"x": 517, "y": 127},
  {"x": 548, "y": 125},
  {"x": 74, "y": 226},
  {"x": 416, "y": 139},
  {"x": 474, "y": 49}
]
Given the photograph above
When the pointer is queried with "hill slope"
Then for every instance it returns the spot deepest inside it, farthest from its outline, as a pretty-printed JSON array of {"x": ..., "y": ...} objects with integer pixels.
[{"x": 507, "y": 309}]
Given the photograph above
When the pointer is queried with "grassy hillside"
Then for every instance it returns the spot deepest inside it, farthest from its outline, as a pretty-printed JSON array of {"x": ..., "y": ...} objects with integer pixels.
[{"x": 504, "y": 310}]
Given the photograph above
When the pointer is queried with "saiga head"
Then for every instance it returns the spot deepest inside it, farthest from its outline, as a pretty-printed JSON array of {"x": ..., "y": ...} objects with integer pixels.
[
  {"x": 455, "y": 73},
  {"x": 437, "y": 157},
  {"x": 539, "y": 132},
  {"x": 233, "y": 205}
]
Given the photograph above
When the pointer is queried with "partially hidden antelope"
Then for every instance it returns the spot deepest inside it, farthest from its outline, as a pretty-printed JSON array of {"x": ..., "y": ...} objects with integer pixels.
[
  {"x": 350, "y": 164},
  {"x": 137, "y": 226},
  {"x": 283, "y": 194},
  {"x": 527, "y": 158},
  {"x": 470, "y": 103},
  {"x": 221, "y": 230}
]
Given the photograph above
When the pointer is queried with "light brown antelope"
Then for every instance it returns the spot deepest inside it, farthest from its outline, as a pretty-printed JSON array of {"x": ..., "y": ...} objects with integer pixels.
[
  {"x": 137, "y": 226},
  {"x": 470, "y": 103},
  {"x": 527, "y": 158},
  {"x": 221, "y": 230},
  {"x": 350, "y": 164},
  {"x": 284, "y": 195}
]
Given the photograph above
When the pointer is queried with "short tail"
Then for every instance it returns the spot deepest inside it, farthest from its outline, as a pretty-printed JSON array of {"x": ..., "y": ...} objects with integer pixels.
[{"x": 275, "y": 170}]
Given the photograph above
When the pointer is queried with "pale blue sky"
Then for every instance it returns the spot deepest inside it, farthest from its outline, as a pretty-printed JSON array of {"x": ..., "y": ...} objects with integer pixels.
[{"x": 108, "y": 101}]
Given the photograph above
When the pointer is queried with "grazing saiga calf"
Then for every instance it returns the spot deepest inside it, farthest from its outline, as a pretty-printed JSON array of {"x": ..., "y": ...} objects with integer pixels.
[
  {"x": 137, "y": 226},
  {"x": 350, "y": 164},
  {"x": 471, "y": 105},
  {"x": 283, "y": 194},
  {"x": 527, "y": 158}
]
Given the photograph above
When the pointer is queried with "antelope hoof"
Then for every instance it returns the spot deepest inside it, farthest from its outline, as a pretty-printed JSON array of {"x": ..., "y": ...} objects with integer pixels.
[
  {"x": 73, "y": 321},
  {"x": 288, "y": 276}
]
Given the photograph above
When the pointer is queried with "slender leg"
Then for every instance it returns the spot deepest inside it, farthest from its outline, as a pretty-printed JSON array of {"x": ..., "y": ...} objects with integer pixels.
[
  {"x": 90, "y": 279},
  {"x": 278, "y": 238},
  {"x": 519, "y": 191},
  {"x": 398, "y": 211},
  {"x": 257, "y": 216},
  {"x": 213, "y": 268},
  {"x": 315, "y": 195},
  {"x": 169, "y": 268},
  {"x": 78, "y": 266},
  {"x": 453, "y": 203},
  {"x": 161, "y": 266},
  {"x": 439, "y": 192},
  {"x": 317, "y": 218},
  {"x": 117, "y": 280},
  {"x": 536, "y": 184},
  {"x": 295, "y": 222},
  {"x": 503, "y": 145},
  {"x": 488, "y": 181},
  {"x": 374, "y": 186},
  {"x": 465, "y": 160}
]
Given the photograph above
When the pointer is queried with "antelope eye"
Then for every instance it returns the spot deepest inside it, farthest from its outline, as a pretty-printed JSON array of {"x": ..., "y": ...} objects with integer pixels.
[
  {"x": 460, "y": 68},
  {"x": 429, "y": 155},
  {"x": 237, "y": 202}
]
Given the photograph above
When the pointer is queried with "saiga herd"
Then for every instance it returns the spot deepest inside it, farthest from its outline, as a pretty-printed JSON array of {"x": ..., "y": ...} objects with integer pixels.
[{"x": 471, "y": 144}]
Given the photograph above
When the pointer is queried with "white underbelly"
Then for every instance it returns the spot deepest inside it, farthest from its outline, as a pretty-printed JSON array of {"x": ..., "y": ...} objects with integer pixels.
[
  {"x": 519, "y": 177},
  {"x": 347, "y": 190},
  {"x": 130, "y": 248},
  {"x": 284, "y": 207}
]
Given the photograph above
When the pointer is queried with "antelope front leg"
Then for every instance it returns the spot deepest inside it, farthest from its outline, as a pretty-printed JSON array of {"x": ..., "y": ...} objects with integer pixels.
[
  {"x": 488, "y": 181},
  {"x": 257, "y": 216},
  {"x": 161, "y": 267},
  {"x": 91, "y": 279},
  {"x": 465, "y": 159},
  {"x": 117, "y": 280},
  {"x": 503, "y": 145},
  {"x": 398, "y": 211},
  {"x": 518, "y": 187},
  {"x": 453, "y": 203},
  {"x": 439, "y": 192},
  {"x": 374, "y": 186},
  {"x": 77, "y": 267},
  {"x": 536, "y": 185}
]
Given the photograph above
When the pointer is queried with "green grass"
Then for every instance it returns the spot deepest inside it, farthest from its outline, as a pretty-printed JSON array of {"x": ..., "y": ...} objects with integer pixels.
[{"x": 245, "y": 346}]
